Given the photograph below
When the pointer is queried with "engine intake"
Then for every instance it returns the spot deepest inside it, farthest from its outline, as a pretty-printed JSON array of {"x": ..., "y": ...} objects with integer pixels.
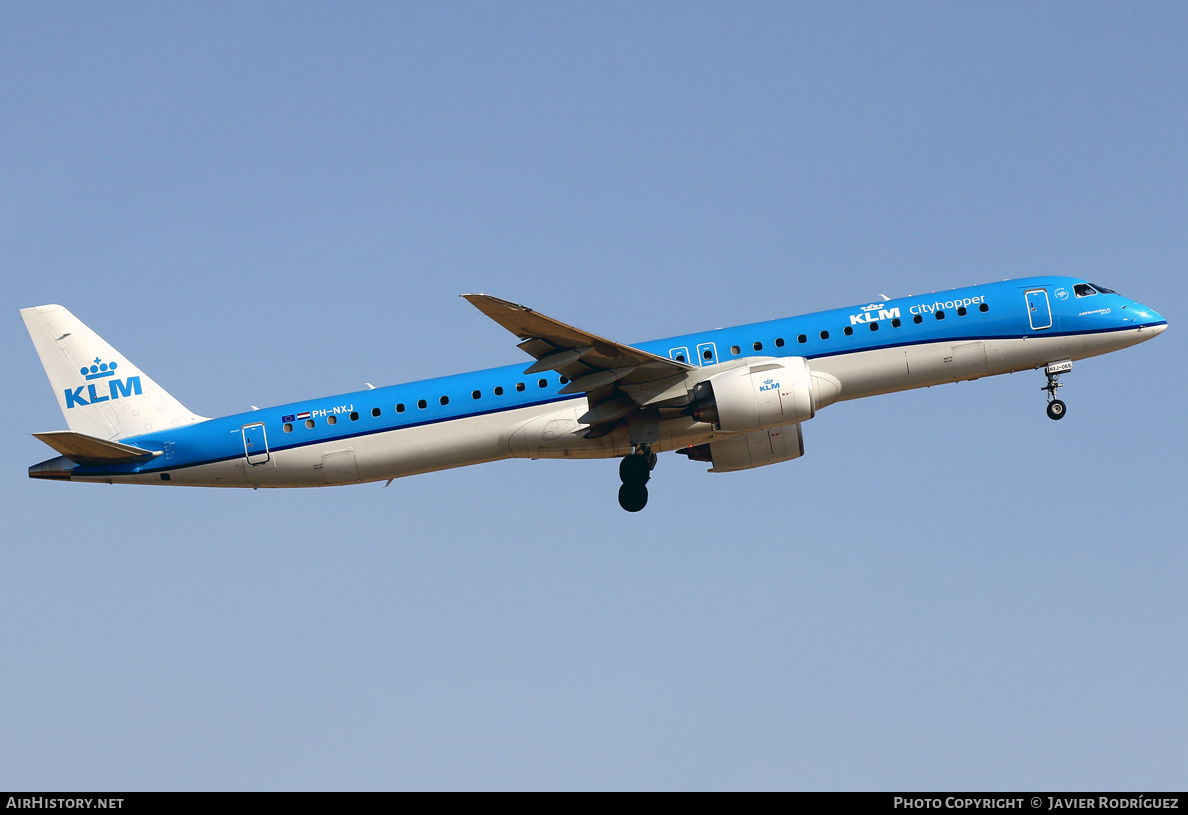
[{"x": 757, "y": 397}]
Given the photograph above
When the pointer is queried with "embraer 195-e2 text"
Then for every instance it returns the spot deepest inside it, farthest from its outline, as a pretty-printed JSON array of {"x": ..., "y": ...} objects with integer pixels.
[{"x": 733, "y": 397}]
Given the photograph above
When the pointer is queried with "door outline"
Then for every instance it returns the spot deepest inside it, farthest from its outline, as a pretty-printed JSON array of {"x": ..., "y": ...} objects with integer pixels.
[
  {"x": 1038, "y": 310},
  {"x": 712, "y": 359},
  {"x": 255, "y": 438}
]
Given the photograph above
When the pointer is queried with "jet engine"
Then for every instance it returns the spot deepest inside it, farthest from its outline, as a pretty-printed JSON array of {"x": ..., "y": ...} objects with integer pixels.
[{"x": 757, "y": 396}]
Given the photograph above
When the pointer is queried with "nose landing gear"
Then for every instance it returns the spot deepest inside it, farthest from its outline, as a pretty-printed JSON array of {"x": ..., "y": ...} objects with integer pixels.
[
  {"x": 634, "y": 471},
  {"x": 1056, "y": 408}
]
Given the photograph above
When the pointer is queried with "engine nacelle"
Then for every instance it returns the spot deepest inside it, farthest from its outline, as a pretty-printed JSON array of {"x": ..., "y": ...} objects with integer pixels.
[
  {"x": 757, "y": 396},
  {"x": 749, "y": 450}
]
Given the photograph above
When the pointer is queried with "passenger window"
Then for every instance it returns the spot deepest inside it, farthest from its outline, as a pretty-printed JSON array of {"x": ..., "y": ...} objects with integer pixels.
[
  {"x": 917, "y": 319},
  {"x": 874, "y": 326},
  {"x": 896, "y": 323},
  {"x": 354, "y": 415},
  {"x": 983, "y": 308},
  {"x": 779, "y": 342},
  {"x": 824, "y": 335},
  {"x": 476, "y": 394},
  {"x": 309, "y": 423},
  {"x": 709, "y": 354},
  {"x": 734, "y": 349},
  {"x": 848, "y": 330},
  {"x": 565, "y": 379},
  {"x": 961, "y": 311},
  {"x": 940, "y": 315},
  {"x": 520, "y": 386},
  {"x": 499, "y": 390},
  {"x": 288, "y": 427},
  {"x": 375, "y": 411},
  {"x": 422, "y": 404},
  {"x": 400, "y": 408},
  {"x": 331, "y": 419},
  {"x": 445, "y": 400},
  {"x": 802, "y": 338},
  {"x": 544, "y": 383},
  {"x": 758, "y": 346}
]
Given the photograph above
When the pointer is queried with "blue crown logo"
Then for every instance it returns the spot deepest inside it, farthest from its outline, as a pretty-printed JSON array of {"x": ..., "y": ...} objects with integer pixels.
[{"x": 98, "y": 370}]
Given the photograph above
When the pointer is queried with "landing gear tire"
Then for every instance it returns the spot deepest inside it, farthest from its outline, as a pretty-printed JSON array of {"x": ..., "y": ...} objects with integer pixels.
[
  {"x": 634, "y": 469},
  {"x": 633, "y": 497},
  {"x": 1053, "y": 370}
]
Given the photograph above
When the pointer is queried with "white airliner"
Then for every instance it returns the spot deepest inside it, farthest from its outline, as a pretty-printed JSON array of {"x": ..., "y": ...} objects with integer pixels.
[{"x": 733, "y": 397}]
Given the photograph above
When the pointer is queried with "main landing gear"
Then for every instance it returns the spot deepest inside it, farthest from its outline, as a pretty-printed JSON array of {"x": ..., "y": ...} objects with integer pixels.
[
  {"x": 1056, "y": 408},
  {"x": 634, "y": 471}
]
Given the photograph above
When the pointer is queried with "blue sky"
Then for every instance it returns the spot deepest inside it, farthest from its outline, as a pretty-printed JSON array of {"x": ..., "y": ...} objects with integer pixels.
[{"x": 259, "y": 203}]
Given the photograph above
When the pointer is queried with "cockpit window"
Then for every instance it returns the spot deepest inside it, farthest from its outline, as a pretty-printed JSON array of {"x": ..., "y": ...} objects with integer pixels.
[
  {"x": 1084, "y": 290},
  {"x": 1103, "y": 289}
]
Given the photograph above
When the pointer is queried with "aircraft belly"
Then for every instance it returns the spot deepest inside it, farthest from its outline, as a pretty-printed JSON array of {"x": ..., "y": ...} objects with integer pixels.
[
  {"x": 339, "y": 466},
  {"x": 219, "y": 474},
  {"x": 868, "y": 373},
  {"x": 215, "y": 474},
  {"x": 558, "y": 434},
  {"x": 432, "y": 447},
  {"x": 1090, "y": 345}
]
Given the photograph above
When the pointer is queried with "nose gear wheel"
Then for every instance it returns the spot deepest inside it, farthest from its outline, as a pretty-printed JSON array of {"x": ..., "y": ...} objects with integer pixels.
[{"x": 1056, "y": 408}]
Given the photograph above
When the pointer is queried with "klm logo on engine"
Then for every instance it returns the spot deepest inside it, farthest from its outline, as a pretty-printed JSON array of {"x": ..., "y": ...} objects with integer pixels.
[
  {"x": 874, "y": 313},
  {"x": 96, "y": 392},
  {"x": 769, "y": 385}
]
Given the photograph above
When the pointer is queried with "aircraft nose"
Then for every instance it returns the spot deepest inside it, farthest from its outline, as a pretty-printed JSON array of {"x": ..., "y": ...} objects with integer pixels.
[
  {"x": 1153, "y": 316},
  {"x": 1147, "y": 318}
]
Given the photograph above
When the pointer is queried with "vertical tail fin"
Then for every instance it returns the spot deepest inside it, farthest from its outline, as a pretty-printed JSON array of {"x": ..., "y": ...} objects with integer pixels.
[{"x": 100, "y": 392}]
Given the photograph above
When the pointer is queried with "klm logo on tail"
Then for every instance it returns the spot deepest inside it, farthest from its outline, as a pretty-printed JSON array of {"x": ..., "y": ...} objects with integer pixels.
[{"x": 116, "y": 388}]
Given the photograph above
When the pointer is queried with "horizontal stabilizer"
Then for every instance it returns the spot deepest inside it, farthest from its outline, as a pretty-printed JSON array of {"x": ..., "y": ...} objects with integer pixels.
[{"x": 83, "y": 449}]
